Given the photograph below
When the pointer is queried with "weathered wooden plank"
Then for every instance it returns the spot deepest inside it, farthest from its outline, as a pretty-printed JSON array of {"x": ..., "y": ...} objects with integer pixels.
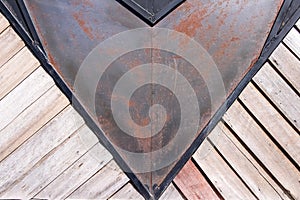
[
  {"x": 111, "y": 178},
  {"x": 192, "y": 183},
  {"x": 287, "y": 64},
  {"x": 292, "y": 40},
  {"x": 3, "y": 23},
  {"x": 255, "y": 163},
  {"x": 77, "y": 174},
  {"x": 171, "y": 193},
  {"x": 127, "y": 192},
  {"x": 35, "y": 148},
  {"x": 280, "y": 93},
  {"x": 24, "y": 95},
  {"x": 31, "y": 120},
  {"x": 264, "y": 149},
  {"x": 15, "y": 70},
  {"x": 55, "y": 162},
  {"x": 224, "y": 179},
  {"x": 276, "y": 125},
  {"x": 243, "y": 167},
  {"x": 298, "y": 24},
  {"x": 10, "y": 44}
]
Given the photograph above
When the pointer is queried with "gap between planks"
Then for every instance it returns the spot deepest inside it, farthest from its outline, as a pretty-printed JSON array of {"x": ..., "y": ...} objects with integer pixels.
[
  {"x": 259, "y": 143},
  {"x": 10, "y": 44}
]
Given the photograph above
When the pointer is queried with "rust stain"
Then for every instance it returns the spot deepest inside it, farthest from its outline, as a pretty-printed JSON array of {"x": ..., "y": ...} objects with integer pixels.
[
  {"x": 192, "y": 23},
  {"x": 83, "y": 25},
  {"x": 233, "y": 39}
]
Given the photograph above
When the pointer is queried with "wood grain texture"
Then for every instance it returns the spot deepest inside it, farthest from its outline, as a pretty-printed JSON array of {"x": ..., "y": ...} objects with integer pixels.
[
  {"x": 31, "y": 120},
  {"x": 192, "y": 183},
  {"x": 3, "y": 23},
  {"x": 280, "y": 93},
  {"x": 283, "y": 133},
  {"x": 261, "y": 145},
  {"x": 242, "y": 166},
  {"x": 24, "y": 95},
  {"x": 16, "y": 70},
  {"x": 224, "y": 179},
  {"x": 292, "y": 40},
  {"x": 51, "y": 165},
  {"x": 240, "y": 146},
  {"x": 127, "y": 192},
  {"x": 78, "y": 173},
  {"x": 39, "y": 145},
  {"x": 10, "y": 44},
  {"x": 287, "y": 64},
  {"x": 103, "y": 184},
  {"x": 171, "y": 193}
]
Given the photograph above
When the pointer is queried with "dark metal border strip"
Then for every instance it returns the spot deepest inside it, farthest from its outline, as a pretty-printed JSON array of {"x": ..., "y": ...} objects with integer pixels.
[
  {"x": 273, "y": 41},
  {"x": 24, "y": 18},
  {"x": 148, "y": 18}
]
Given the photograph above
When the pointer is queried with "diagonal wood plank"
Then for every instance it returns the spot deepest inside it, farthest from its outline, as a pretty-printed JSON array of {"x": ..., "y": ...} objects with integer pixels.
[
  {"x": 287, "y": 64},
  {"x": 192, "y": 183},
  {"x": 24, "y": 95},
  {"x": 54, "y": 163},
  {"x": 241, "y": 148},
  {"x": 10, "y": 44},
  {"x": 3, "y": 23},
  {"x": 127, "y": 192},
  {"x": 258, "y": 142},
  {"x": 26, "y": 156},
  {"x": 278, "y": 91},
  {"x": 31, "y": 120},
  {"x": 16, "y": 70},
  {"x": 292, "y": 40},
  {"x": 260, "y": 187},
  {"x": 284, "y": 134},
  {"x": 77, "y": 174},
  {"x": 171, "y": 193},
  {"x": 114, "y": 180},
  {"x": 220, "y": 174}
]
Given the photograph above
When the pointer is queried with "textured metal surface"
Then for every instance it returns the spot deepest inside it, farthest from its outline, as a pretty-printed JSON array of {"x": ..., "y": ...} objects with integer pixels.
[{"x": 232, "y": 32}]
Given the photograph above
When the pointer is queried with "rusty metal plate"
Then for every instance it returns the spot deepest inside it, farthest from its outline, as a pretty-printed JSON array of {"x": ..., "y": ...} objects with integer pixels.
[{"x": 151, "y": 94}]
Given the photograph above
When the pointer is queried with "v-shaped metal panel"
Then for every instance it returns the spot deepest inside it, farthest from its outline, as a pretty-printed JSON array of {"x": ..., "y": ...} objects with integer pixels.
[
  {"x": 152, "y": 10},
  {"x": 151, "y": 95}
]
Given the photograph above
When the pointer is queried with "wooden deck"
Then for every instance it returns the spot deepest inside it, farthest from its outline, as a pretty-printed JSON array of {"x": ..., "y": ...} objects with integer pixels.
[{"x": 46, "y": 150}]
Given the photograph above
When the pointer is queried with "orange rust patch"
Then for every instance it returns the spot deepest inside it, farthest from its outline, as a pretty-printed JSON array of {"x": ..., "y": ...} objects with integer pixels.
[
  {"x": 83, "y": 25},
  {"x": 192, "y": 23},
  {"x": 234, "y": 39}
]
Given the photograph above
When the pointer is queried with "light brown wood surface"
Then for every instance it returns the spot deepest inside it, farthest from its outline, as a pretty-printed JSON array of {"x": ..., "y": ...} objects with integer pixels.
[
  {"x": 31, "y": 120},
  {"x": 10, "y": 45},
  {"x": 287, "y": 64},
  {"x": 16, "y": 70},
  {"x": 3, "y": 23},
  {"x": 278, "y": 127},
  {"x": 280, "y": 93},
  {"x": 110, "y": 178},
  {"x": 261, "y": 145},
  {"x": 292, "y": 40}
]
